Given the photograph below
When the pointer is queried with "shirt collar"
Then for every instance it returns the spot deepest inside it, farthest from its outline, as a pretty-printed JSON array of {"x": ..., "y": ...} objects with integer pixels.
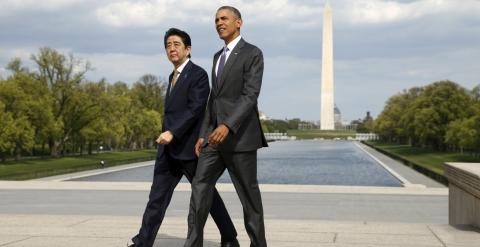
[
  {"x": 234, "y": 43},
  {"x": 181, "y": 67}
]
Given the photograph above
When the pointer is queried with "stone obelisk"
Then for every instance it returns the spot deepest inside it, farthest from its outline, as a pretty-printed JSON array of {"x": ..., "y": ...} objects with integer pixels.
[{"x": 327, "y": 115}]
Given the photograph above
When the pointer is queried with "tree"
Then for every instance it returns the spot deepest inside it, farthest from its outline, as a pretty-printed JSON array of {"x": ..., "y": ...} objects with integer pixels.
[
  {"x": 86, "y": 110},
  {"x": 37, "y": 102},
  {"x": 62, "y": 74},
  {"x": 15, "y": 65},
  {"x": 475, "y": 93},
  {"x": 7, "y": 132},
  {"x": 440, "y": 103},
  {"x": 143, "y": 127},
  {"x": 19, "y": 132},
  {"x": 392, "y": 124},
  {"x": 464, "y": 133},
  {"x": 149, "y": 92}
]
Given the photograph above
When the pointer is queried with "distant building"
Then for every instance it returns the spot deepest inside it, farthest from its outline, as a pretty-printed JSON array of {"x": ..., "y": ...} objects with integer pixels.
[
  {"x": 366, "y": 137},
  {"x": 337, "y": 118},
  {"x": 306, "y": 125}
]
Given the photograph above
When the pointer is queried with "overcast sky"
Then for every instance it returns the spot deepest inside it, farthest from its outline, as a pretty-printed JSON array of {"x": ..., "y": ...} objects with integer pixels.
[{"x": 380, "y": 47}]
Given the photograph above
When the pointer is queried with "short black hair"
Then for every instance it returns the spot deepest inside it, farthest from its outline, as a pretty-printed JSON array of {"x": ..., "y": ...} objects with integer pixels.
[
  {"x": 234, "y": 10},
  {"x": 177, "y": 32}
]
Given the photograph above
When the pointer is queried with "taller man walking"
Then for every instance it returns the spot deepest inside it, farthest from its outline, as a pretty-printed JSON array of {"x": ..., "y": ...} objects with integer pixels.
[
  {"x": 185, "y": 101},
  {"x": 231, "y": 131}
]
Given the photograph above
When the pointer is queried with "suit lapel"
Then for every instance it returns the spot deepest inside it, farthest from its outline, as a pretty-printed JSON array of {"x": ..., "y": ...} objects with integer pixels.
[
  {"x": 181, "y": 78},
  {"x": 230, "y": 62},
  {"x": 167, "y": 94},
  {"x": 214, "y": 74}
]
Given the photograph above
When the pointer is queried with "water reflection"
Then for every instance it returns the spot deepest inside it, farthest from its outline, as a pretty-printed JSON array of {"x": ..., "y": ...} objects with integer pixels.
[
  {"x": 320, "y": 163},
  {"x": 295, "y": 162}
]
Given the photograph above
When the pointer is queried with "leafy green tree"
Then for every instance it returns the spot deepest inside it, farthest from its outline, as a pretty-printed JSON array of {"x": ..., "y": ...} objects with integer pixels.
[
  {"x": 143, "y": 128},
  {"x": 149, "y": 92},
  {"x": 62, "y": 74},
  {"x": 464, "y": 133},
  {"x": 392, "y": 124},
  {"x": 15, "y": 65},
  {"x": 119, "y": 105},
  {"x": 38, "y": 106},
  {"x": 440, "y": 103},
  {"x": 86, "y": 111},
  {"x": 475, "y": 93},
  {"x": 7, "y": 132},
  {"x": 15, "y": 104}
]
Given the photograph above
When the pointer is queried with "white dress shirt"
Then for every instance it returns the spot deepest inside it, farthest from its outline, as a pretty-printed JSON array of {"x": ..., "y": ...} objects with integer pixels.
[
  {"x": 181, "y": 67},
  {"x": 230, "y": 47}
]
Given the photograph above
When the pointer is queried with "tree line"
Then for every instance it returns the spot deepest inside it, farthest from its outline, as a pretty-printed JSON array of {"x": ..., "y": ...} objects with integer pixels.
[
  {"x": 441, "y": 116},
  {"x": 54, "y": 110}
]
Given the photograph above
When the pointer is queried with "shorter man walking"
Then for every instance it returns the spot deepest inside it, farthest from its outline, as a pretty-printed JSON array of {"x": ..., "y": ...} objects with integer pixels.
[{"x": 185, "y": 102}]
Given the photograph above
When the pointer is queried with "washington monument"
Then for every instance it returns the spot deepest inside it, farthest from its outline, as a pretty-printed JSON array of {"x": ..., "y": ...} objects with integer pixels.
[{"x": 327, "y": 115}]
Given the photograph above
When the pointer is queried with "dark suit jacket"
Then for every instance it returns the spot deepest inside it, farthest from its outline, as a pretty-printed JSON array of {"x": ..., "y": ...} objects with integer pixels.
[
  {"x": 184, "y": 109},
  {"x": 233, "y": 101}
]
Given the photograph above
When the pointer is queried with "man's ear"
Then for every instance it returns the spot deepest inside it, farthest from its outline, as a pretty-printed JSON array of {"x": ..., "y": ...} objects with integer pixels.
[{"x": 239, "y": 23}]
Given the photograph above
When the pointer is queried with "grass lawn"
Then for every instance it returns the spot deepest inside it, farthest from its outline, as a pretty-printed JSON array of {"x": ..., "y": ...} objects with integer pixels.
[
  {"x": 429, "y": 159},
  {"x": 30, "y": 169},
  {"x": 327, "y": 134}
]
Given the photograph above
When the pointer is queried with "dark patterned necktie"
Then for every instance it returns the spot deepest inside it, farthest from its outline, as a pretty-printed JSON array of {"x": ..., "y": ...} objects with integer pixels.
[{"x": 221, "y": 64}]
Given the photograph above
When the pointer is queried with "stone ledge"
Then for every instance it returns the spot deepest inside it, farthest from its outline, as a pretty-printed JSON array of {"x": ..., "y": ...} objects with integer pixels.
[
  {"x": 465, "y": 176},
  {"x": 464, "y": 193}
]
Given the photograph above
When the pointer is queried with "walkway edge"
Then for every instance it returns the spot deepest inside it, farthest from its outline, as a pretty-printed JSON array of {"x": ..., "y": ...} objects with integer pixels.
[
  {"x": 223, "y": 187},
  {"x": 405, "y": 182}
]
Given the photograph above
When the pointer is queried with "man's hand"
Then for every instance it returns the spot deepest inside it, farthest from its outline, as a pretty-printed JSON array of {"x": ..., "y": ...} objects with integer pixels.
[
  {"x": 198, "y": 146},
  {"x": 165, "y": 138},
  {"x": 218, "y": 135}
]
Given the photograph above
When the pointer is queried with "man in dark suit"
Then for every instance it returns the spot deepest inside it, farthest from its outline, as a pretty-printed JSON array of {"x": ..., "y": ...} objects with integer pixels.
[
  {"x": 231, "y": 131},
  {"x": 185, "y": 101}
]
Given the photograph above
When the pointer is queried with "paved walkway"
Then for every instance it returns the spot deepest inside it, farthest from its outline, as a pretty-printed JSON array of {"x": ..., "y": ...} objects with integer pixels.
[
  {"x": 53, "y": 212},
  {"x": 99, "y": 231},
  {"x": 406, "y": 172},
  {"x": 97, "y": 214}
]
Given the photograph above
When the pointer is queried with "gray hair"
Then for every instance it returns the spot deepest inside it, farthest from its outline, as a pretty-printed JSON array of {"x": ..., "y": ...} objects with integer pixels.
[{"x": 234, "y": 10}]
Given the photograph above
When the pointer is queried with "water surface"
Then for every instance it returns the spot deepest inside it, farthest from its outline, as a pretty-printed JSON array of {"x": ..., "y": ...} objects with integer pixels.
[{"x": 297, "y": 162}]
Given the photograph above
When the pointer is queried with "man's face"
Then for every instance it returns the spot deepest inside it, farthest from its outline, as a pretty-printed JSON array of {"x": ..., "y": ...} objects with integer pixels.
[
  {"x": 227, "y": 25},
  {"x": 176, "y": 50}
]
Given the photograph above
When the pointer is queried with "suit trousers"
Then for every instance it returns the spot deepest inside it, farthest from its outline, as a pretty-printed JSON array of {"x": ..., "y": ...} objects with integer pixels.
[
  {"x": 242, "y": 167},
  {"x": 168, "y": 172}
]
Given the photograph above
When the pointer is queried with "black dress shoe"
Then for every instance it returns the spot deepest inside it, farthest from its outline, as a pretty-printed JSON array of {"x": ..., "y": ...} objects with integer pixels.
[{"x": 233, "y": 243}]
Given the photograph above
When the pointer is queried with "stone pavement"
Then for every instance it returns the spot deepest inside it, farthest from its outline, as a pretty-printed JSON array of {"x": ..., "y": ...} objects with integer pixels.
[
  {"x": 55, "y": 212},
  {"x": 99, "y": 231},
  {"x": 97, "y": 214}
]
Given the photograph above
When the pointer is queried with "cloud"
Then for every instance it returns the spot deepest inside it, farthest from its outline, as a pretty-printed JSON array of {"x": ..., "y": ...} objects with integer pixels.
[
  {"x": 150, "y": 13},
  {"x": 10, "y": 7},
  {"x": 381, "y": 47},
  {"x": 361, "y": 12},
  {"x": 289, "y": 14},
  {"x": 7, "y": 54},
  {"x": 141, "y": 13},
  {"x": 125, "y": 67}
]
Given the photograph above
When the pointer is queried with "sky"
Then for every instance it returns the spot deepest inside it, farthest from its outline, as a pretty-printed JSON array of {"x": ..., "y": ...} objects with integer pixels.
[{"x": 381, "y": 47}]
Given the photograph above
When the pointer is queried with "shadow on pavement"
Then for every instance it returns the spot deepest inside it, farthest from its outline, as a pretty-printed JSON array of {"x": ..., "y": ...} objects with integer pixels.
[{"x": 171, "y": 241}]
